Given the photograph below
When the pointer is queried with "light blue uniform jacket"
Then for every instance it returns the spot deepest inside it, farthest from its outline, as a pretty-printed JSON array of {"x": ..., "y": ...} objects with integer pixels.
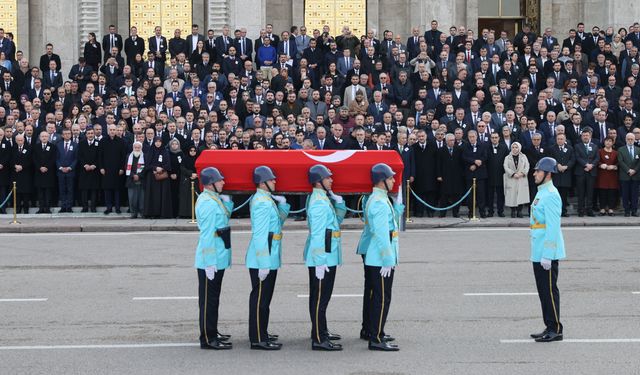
[
  {"x": 322, "y": 214},
  {"x": 212, "y": 214},
  {"x": 379, "y": 239},
  {"x": 546, "y": 235},
  {"x": 266, "y": 217}
]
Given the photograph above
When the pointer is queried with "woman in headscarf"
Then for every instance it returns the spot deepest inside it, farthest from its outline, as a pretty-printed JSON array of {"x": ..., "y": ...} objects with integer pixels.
[
  {"x": 157, "y": 192},
  {"x": 187, "y": 175},
  {"x": 176, "y": 158},
  {"x": 516, "y": 185}
]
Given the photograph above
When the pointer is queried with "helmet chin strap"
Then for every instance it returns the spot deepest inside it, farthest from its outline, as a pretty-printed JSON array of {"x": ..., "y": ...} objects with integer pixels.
[
  {"x": 386, "y": 186},
  {"x": 544, "y": 179},
  {"x": 215, "y": 188}
]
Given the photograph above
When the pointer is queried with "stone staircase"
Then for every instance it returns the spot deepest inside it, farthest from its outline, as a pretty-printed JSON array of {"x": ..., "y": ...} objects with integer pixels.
[{"x": 218, "y": 15}]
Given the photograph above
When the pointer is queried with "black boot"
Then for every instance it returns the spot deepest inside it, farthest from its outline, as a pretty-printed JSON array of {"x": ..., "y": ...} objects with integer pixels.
[
  {"x": 519, "y": 211},
  {"x": 513, "y": 213}
]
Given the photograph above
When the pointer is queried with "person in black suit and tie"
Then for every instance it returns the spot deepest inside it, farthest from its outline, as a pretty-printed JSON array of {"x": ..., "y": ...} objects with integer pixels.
[
  {"x": 133, "y": 45},
  {"x": 66, "y": 167},
  {"x": 495, "y": 171},
  {"x": 44, "y": 163},
  {"x": 193, "y": 39},
  {"x": 158, "y": 45},
  {"x": 223, "y": 42},
  {"x": 425, "y": 184},
  {"x": 381, "y": 143},
  {"x": 450, "y": 174},
  {"x": 22, "y": 172},
  {"x": 565, "y": 157},
  {"x": 110, "y": 40},
  {"x": 244, "y": 46},
  {"x": 52, "y": 77},
  {"x": 475, "y": 156},
  {"x": 586, "y": 171}
]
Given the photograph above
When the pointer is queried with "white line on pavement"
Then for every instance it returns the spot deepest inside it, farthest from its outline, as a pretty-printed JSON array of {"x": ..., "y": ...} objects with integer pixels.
[
  {"x": 113, "y": 346},
  {"x": 23, "y": 299},
  {"x": 335, "y": 295},
  {"x": 498, "y": 294},
  {"x": 577, "y": 341},
  {"x": 163, "y": 298},
  {"x": 635, "y": 292}
]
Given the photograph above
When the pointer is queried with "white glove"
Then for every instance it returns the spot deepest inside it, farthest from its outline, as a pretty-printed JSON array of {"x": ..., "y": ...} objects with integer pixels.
[
  {"x": 211, "y": 272},
  {"x": 338, "y": 199},
  {"x": 320, "y": 270},
  {"x": 280, "y": 199},
  {"x": 385, "y": 271},
  {"x": 545, "y": 263},
  {"x": 225, "y": 198},
  {"x": 263, "y": 273}
]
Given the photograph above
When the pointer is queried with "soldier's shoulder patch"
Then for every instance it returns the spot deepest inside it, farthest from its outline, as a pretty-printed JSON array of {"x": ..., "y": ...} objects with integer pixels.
[{"x": 535, "y": 201}]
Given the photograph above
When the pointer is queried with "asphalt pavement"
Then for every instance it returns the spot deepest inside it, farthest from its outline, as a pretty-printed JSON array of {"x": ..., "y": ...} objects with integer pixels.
[{"x": 464, "y": 302}]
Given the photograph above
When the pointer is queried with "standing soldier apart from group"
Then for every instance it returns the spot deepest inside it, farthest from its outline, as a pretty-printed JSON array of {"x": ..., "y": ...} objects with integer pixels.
[
  {"x": 213, "y": 255},
  {"x": 323, "y": 253},
  {"x": 547, "y": 247},
  {"x": 379, "y": 247},
  {"x": 268, "y": 213}
]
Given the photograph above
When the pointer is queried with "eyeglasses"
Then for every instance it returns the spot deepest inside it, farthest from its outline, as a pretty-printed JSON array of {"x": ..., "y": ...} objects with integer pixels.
[{"x": 47, "y": 93}]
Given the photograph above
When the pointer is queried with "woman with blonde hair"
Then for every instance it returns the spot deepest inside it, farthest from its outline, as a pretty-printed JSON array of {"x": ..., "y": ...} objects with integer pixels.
[{"x": 516, "y": 185}]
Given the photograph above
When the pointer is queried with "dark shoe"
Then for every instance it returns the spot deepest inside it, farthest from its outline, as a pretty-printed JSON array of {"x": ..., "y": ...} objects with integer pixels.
[
  {"x": 483, "y": 215},
  {"x": 581, "y": 214},
  {"x": 41, "y": 212},
  {"x": 134, "y": 216},
  {"x": 364, "y": 335},
  {"x": 118, "y": 211},
  {"x": 564, "y": 214},
  {"x": 383, "y": 346},
  {"x": 222, "y": 337},
  {"x": 513, "y": 214},
  {"x": 610, "y": 213},
  {"x": 334, "y": 336},
  {"x": 550, "y": 336},
  {"x": 501, "y": 214},
  {"x": 591, "y": 214},
  {"x": 519, "y": 215},
  {"x": 326, "y": 346},
  {"x": 93, "y": 209},
  {"x": 634, "y": 214},
  {"x": 271, "y": 337},
  {"x": 538, "y": 335},
  {"x": 442, "y": 214},
  {"x": 268, "y": 345},
  {"x": 84, "y": 209},
  {"x": 216, "y": 345},
  {"x": 490, "y": 214},
  {"x": 627, "y": 214},
  {"x": 456, "y": 215},
  {"x": 108, "y": 211}
]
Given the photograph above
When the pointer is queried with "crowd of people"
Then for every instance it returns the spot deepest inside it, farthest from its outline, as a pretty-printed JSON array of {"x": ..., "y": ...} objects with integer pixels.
[{"x": 132, "y": 116}]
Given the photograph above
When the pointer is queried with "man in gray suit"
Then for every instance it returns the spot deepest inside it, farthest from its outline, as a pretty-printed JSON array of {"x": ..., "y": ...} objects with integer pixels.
[
  {"x": 302, "y": 41},
  {"x": 628, "y": 168},
  {"x": 586, "y": 170}
]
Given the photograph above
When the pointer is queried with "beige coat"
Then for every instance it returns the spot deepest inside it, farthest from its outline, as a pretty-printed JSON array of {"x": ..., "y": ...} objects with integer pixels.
[{"x": 516, "y": 190}]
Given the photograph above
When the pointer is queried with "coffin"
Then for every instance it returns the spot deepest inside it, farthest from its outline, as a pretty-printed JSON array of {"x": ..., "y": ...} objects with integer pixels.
[{"x": 351, "y": 169}]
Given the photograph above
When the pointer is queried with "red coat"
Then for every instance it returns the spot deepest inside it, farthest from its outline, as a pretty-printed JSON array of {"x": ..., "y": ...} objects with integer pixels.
[{"x": 607, "y": 179}]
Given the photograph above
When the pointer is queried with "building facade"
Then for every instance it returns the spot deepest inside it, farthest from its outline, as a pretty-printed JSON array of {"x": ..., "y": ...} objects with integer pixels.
[{"x": 66, "y": 24}]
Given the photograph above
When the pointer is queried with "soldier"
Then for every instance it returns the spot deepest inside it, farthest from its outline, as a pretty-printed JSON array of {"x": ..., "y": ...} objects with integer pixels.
[
  {"x": 213, "y": 255},
  {"x": 547, "y": 247},
  {"x": 379, "y": 247},
  {"x": 268, "y": 213},
  {"x": 322, "y": 253}
]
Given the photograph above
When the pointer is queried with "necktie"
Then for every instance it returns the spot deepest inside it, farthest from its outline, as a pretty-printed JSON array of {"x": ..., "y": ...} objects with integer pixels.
[
  {"x": 450, "y": 151},
  {"x": 474, "y": 119},
  {"x": 286, "y": 48},
  {"x": 113, "y": 44},
  {"x": 66, "y": 147},
  {"x": 631, "y": 152},
  {"x": 242, "y": 46},
  {"x": 51, "y": 76}
]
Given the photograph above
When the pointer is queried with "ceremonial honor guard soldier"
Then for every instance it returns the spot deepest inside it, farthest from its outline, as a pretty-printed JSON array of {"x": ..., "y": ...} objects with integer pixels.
[
  {"x": 213, "y": 255},
  {"x": 547, "y": 247},
  {"x": 323, "y": 253},
  {"x": 379, "y": 247},
  {"x": 268, "y": 213}
]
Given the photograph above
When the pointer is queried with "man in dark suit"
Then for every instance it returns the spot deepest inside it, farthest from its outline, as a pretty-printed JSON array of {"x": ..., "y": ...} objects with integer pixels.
[
  {"x": 223, "y": 42},
  {"x": 158, "y": 45},
  {"x": 586, "y": 170},
  {"x": 534, "y": 152},
  {"x": 67, "y": 157},
  {"x": 565, "y": 157},
  {"x": 450, "y": 174},
  {"x": 110, "y": 40},
  {"x": 44, "y": 164},
  {"x": 475, "y": 156},
  {"x": 48, "y": 57},
  {"x": 244, "y": 46},
  {"x": 111, "y": 163},
  {"x": 177, "y": 44},
  {"x": 88, "y": 174},
  {"x": 81, "y": 73},
  {"x": 52, "y": 77},
  {"x": 628, "y": 168},
  {"x": 133, "y": 45},
  {"x": 495, "y": 171},
  {"x": 425, "y": 183},
  {"x": 193, "y": 39}
]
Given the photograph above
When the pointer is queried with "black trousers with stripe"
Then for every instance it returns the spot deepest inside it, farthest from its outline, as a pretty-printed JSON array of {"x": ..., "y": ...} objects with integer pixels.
[
  {"x": 259, "y": 301},
  {"x": 547, "y": 284},
  {"x": 208, "y": 302},
  {"x": 319, "y": 296},
  {"x": 379, "y": 303}
]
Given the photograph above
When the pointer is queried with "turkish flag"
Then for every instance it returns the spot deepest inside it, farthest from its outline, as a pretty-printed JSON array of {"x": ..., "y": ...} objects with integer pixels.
[{"x": 351, "y": 168}]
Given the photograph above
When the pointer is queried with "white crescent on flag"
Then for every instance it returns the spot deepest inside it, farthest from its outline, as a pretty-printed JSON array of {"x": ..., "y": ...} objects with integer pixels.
[{"x": 335, "y": 157}]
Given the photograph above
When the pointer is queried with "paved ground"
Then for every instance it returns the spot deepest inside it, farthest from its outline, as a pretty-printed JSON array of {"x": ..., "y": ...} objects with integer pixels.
[{"x": 85, "y": 315}]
